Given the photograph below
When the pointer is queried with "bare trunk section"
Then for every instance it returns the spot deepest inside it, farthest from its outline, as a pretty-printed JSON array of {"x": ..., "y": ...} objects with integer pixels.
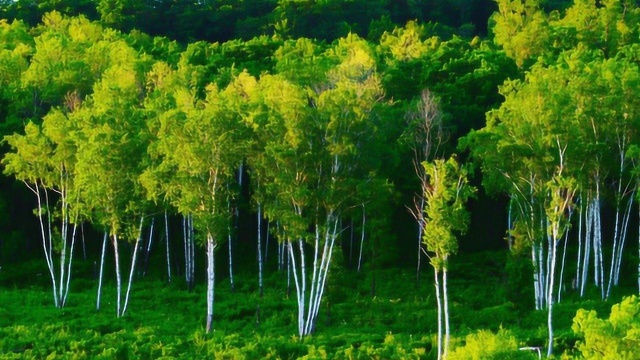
[
  {"x": 148, "y": 249},
  {"x": 436, "y": 284},
  {"x": 166, "y": 234},
  {"x": 100, "y": 276},
  {"x": 445, "y": 299},
  {"x": 116, "y": 253},
  {"x": 211, "y": 278},
  {"x": 362, "y": 232},
  {"x": 133, "y": 268},
  {"x": 260, "y": 285},
  {"x": 189, "y": 251}
]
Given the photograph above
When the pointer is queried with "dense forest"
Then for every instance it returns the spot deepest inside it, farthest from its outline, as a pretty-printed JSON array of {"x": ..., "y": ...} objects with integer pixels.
[{"x": 342, "y": 178}]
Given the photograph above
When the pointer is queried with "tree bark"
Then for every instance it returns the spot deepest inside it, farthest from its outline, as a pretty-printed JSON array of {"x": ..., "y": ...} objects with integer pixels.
[
  {"x": 211, "y": 277},
  {"x": 166, "y": 234},
  {"x": 104, "y": 251}
]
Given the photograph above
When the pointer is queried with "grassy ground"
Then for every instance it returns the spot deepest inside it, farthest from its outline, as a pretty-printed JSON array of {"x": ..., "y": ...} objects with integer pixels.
[{"x": 164, "y": 320}]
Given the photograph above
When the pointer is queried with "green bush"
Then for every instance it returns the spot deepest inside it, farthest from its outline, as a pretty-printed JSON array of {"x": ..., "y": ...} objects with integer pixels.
[
  {"x": 485, "y": 345},
  {"x": 617, "y": 337}
]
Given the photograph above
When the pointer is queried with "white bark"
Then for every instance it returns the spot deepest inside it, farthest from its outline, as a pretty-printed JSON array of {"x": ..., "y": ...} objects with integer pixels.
[
  {"x": 617, "y": 264},
  {"x": 166, "y": 234},
  {"x": 445, "y": 299},
  {"x": 577, "y": 282},
  {"x": 73, "y": 242},
  {"x": 211, "y": 277},
  {"x": 46, "y": 237},
  {"x": 299, "y": 283},
  {"x": 421, "y": 225},
  {"x": 436, "y": 283},
  {"x": 189, "y": 251},
  {"x": 260, "y": 287},
  {"x": 362, "y": 232},
  {"x": 550, "y": 307},
  {"x": 133, "y": 268},
  {"x": 536, "y": 275},
  {"x": 266, "y": 242},
  {"x": 148, "y": 250},
  {"x": 104, "y": 251},
  {"x": 118, "y": 275}
]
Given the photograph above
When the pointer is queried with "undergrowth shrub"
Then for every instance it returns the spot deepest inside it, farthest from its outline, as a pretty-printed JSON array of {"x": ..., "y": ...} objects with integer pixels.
[
  {"x": 486, "y": 345},
  {"x": 617, "y": 337}
]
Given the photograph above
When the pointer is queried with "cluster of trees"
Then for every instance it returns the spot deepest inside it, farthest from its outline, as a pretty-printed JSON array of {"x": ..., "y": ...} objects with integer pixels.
[
  {"x": 224, "y": 20},
  {"x": 117, "y": 128},
  {"x": 564, "y": 141},
  {"x": 121, "y": 127}
]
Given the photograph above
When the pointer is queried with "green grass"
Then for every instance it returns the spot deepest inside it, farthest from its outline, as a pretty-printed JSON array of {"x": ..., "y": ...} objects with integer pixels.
[{"x": 166, "y": 321}]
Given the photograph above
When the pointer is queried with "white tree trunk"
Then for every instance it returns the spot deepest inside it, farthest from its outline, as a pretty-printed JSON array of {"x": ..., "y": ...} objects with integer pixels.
[
  {"x": 299, "y": 282},
  {"x": 623, "y": 238},
  {"x": 577, "y": 284},
  {"x": 211, "y": 278},
  {"x": 445, "y": 299},
  {"x": 46, "y": 237},
  {"x": 421, "y": 225},
  {"x": 118, "y": 275},
  {"x": 166, "y": 234},
  {"x": 100, "y": 276},
  {"x": 550, "y": 300},
  {"x": 362, "y": 232},
  {"x": 149, "y": 244},
  {"x": 260, "y": 287},
  {"x": 133, "y": 268},
  {"x": 73, "y": 242},
  {"x": 436, "y": 283}
]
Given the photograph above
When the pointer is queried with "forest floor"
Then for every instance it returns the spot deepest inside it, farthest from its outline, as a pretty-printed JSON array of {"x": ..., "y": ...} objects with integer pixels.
[{"x": 165, "y": 320}]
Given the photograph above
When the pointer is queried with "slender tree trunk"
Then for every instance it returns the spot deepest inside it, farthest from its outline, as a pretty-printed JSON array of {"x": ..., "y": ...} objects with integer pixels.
[
  {"x": 211, "y": 278},
  {"x": 73, "y": 242},
  {"x": 133, "y": 266},
  {"x": 623, "y": 237},
  {"x": 84, "y": 248},
  {"x": 46, "y": 238},
  {"x": 104, "y": 251},
  {"x": 166, "y": 234},
  {"x": 300, "y": 283},
  {"x": 436, "y": 284},
  {"x": 536, "y": 274},
  {"x": 260, "y": 287},
  {"x": 189, "y": 251},
  {"x": 231, "y": 280},
  {"x": 266, "y": 243},
  {"x": 550, "y": 294},
  {"x": 445, "y": 298},
  {"x": 326, "y": 261},
  {"x": 598, "y": 250},
  {"x": 587, "y": 244},
  {"x": 420, "y": 218},
  {"x": 63, "y": 254},
  {"x": 564, "y": 255},
  {"x": 118, "y": 275},
  {"x": 148, "y": 250},
  {"x": 578, "y": 283},
  {"x": 362, "y": 232}
]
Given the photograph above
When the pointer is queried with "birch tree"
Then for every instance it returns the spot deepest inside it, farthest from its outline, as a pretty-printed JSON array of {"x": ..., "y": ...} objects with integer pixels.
[
  {"x": 445, "y": 215},
  {"x": 43, "y": 158},
  {"x": 425, "y": 122},
  {"x": 111, "y": 152},
  {"x": 199, "y": 144}
]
